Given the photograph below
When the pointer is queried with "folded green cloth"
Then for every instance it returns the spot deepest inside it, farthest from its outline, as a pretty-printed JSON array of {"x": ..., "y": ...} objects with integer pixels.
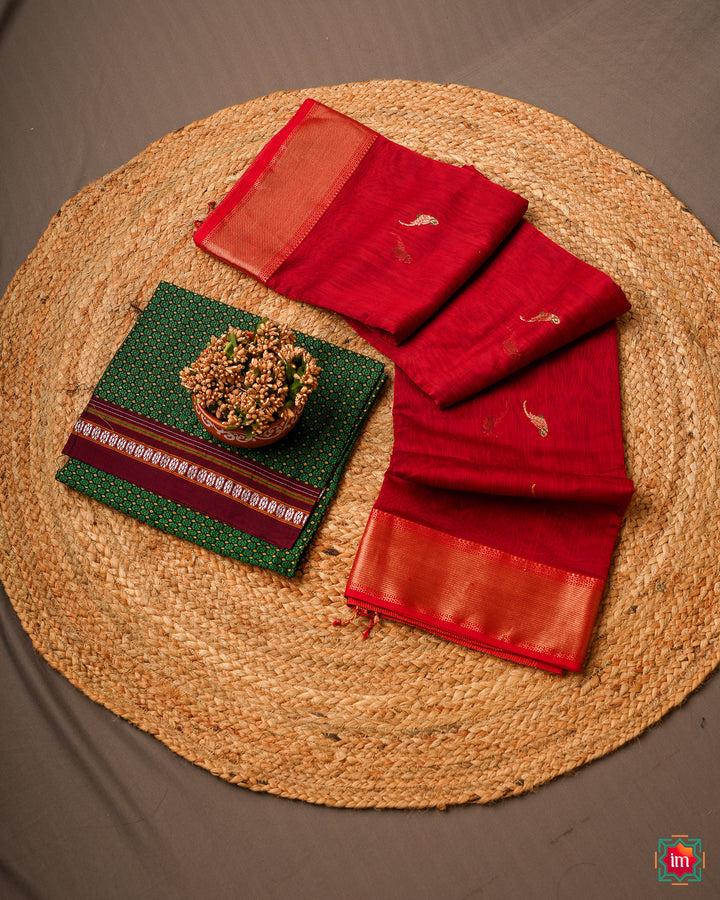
[{"x": 143, "y": 377}]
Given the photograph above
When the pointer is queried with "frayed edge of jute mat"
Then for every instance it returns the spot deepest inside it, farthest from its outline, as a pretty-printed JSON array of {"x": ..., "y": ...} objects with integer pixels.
[{"x": 240, "y": 670}]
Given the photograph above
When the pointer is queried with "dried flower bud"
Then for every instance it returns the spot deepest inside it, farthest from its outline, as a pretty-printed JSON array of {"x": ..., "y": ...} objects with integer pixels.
[{"x": 245, "y": 378}]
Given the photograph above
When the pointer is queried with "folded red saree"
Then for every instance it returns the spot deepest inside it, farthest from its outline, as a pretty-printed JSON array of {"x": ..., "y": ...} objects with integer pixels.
[
  {"x": 529, "y": 298},
  {"x": 497, "y": 519},
  {"x": 335, "y": 214},
  {"x": 501, "y": 507}
]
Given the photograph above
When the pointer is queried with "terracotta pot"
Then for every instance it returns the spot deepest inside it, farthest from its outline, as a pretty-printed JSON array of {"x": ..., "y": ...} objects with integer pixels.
[{"x": 237, "y": 436}]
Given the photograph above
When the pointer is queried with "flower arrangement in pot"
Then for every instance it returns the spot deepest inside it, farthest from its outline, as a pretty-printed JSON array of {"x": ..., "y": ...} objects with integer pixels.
[{"x": 249, "y": 388}]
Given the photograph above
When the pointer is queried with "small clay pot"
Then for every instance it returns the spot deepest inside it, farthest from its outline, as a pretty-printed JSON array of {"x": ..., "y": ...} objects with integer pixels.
[{"x": 237, "y": 437}]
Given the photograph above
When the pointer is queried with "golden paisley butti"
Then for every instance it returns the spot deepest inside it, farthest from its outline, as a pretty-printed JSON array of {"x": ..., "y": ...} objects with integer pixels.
[
  {"x": 420, "y": 220},
  {"x": 543, "y": 317},
  {"x": 540, "y": 422}
]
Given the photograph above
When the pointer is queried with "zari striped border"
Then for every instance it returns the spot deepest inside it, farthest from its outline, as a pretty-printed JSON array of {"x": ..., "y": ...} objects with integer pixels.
[
  {"x": 286, "y": 190},
  {"x": 475, "y": 595}
]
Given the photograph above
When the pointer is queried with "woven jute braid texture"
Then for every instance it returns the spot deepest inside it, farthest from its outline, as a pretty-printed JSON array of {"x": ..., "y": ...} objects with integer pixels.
[{"x": 240, "y": 670}]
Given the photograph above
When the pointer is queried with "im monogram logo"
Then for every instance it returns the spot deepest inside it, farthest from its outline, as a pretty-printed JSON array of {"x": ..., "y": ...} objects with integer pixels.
[{"x": 679, "y": 859}]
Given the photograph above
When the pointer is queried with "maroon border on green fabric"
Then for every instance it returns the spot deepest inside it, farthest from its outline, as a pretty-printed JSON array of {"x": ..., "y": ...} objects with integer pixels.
[{"x": 193, "y": 472}]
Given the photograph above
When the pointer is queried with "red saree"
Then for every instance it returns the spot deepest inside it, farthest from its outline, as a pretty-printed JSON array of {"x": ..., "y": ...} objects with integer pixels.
[{"x": 500, "y": 510}]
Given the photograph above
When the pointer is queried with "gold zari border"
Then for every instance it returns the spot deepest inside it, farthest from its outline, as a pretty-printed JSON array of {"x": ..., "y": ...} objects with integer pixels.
[
  {"x": 291, "y": 192},
  {"x": 474, "y": 592}
]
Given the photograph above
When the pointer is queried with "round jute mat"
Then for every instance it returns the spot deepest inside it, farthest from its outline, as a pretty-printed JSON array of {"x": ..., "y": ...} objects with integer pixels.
[{"x": 240, "y": 670}]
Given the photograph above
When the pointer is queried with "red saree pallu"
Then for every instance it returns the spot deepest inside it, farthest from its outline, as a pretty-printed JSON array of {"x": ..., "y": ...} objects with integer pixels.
[
  {"x": 497, "y": 518},
  {"x": 332, "y": 213}
]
